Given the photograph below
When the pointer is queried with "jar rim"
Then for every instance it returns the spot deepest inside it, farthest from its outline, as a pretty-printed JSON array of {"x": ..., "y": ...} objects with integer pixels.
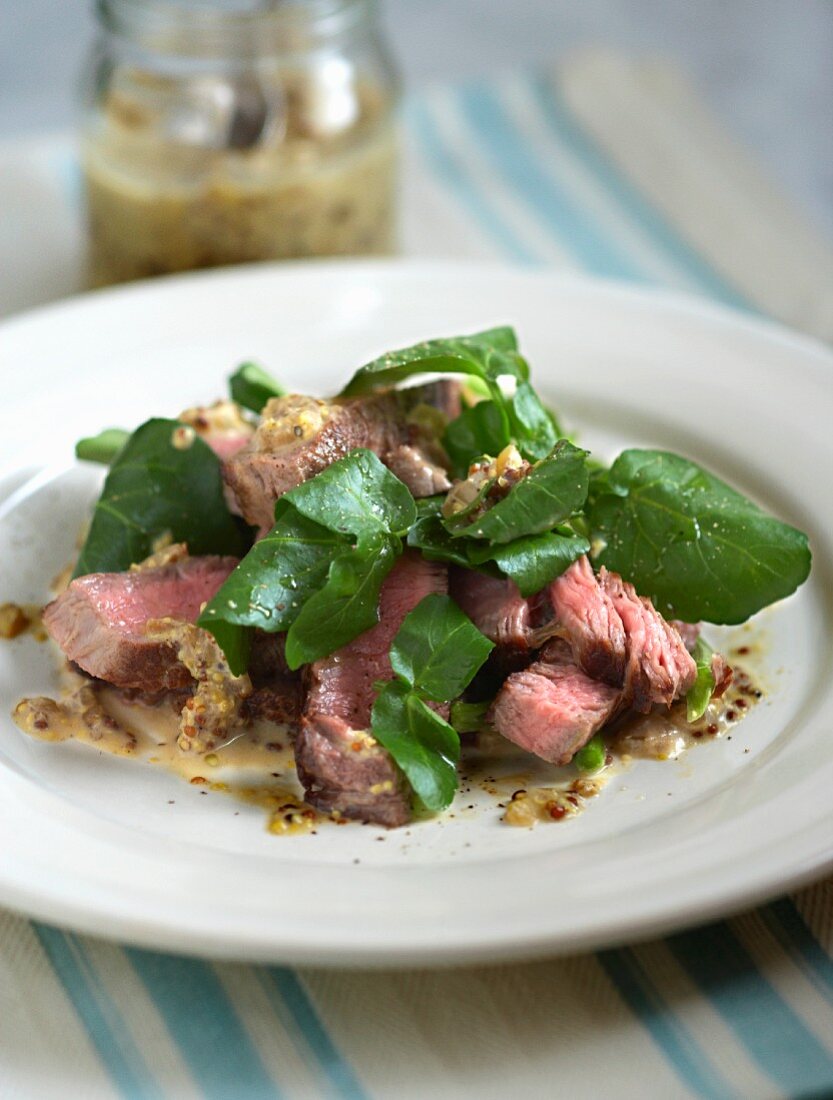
[{"x": 222, "y": 27}]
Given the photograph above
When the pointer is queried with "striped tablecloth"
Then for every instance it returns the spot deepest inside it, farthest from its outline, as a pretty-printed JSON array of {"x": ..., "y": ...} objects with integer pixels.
[{"x": 609, "y": 166}]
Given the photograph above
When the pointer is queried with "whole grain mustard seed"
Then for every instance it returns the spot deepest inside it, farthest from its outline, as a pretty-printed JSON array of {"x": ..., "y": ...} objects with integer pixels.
[
  {"x": 13, "y": 620},
  {"x": 183, "y": 437}
]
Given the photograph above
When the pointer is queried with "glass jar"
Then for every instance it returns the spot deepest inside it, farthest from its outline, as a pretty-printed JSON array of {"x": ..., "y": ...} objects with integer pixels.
[{"x": 223, "y": 132}]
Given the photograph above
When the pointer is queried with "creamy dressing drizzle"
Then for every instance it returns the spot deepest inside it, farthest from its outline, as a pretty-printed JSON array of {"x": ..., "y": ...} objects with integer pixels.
[
  {"x": 527, "y": 789},
  {"x": 530, "y": 790},
  {"x": 663, "y": 735},
  {"x": 256, "y": 765}
]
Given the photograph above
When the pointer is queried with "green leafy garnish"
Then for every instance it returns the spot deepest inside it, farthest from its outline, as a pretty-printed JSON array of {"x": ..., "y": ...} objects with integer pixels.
[
  {"x": 429, "y": 535},
  {"x": 468, "y": 717},
  {"x": 518, "y": 535},
  {"x": 434, "y": 656},
  {"x": 479, "y": 430},
  {"x": 317, "y": 574},
  {"x": 103, "y": 447},
  {"x": 697, "y": 547},
  {"x": 550, "y": 493},
  {"x": 438, "y": 649},
  {"x": 251, "y": 386},
  {"x": 532, "y": 562},
  {"x": 157, "y": 487},
  {"x": 272, "y": 583},
  {"x": 700, "y": 692},
  {"x": 425, "y": 747},
  {"x": 346, "y": 606},
  {"x": 535, "y": 561},
  {"x": 491, "y": 356},
  {"x": 357, "y": 495}
]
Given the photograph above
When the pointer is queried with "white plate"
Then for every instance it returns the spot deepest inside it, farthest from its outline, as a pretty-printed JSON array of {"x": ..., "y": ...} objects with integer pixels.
[{"x": 93, "y": 842}]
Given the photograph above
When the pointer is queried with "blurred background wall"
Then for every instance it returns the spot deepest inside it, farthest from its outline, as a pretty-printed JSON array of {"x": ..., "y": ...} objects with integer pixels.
[{"x": 766, "y": 66}]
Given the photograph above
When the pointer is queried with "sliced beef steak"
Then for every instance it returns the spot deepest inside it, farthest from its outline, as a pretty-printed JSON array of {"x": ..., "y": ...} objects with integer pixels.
[
  {"x": 659, "y": 667},
  {"x": 277, "y": 694},
  {"x": 723, "y": 674},
  {"x": 619, "y": 637},
  {"x": 553, "y": 708},
  {"x": 341, "y": 767},
  {"x": 721, "y": 669},
  {"x": 278, "y": 701},
  {"x": 689, "y": 632},
  {"x": 300, "y": 436},
  {"x": 443, "y": 394},
  {"x": 495, "y": 606},
  {"x": 585, "y": 615},
  {"x": 412, "y": 464},
  {"x": 99, "y": 621},
  {"x": 348, "y": 774}
]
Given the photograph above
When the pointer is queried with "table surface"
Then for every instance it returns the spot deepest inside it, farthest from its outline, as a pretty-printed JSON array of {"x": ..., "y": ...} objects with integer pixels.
[{"x": 764, "y": 65}]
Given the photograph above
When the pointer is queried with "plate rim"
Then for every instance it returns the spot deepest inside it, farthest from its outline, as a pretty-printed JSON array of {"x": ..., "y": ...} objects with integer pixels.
[{"x": 178, "y": 282}]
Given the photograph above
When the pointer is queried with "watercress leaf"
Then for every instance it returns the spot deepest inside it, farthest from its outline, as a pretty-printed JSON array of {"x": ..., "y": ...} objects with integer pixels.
[
  {"x": 424, "y": 746},
  {"x": 155, "y": 487},
  {"x": 233, "y": 639},
  {"x": 438, "y": 649},
  {"x": 103, "y": 447},
  {"x": 473, "y": 389},
  {"x": 492, "y": 357},
  {"x": 271, "y": 584},
  {"x": 251, "y": 386},
  {"x": 358, "y": 495},
  {"x": 534, "y": 561},
  {"x": 552, "y": 490},
  {"x": 306, "y": 576},
  {"x": 488, "y": 355},
  {"x": 531, "y": 424},
  {"x": 478, "y": 430},
  {"x": 600, "y": 480},
  {"x": 700, "y": 692},
  {"x": 698, "y": 548},
  {"x": 346, "y": 605},
  {"x": 468, "y": 717},
  {"x": 430, "y": 536}
]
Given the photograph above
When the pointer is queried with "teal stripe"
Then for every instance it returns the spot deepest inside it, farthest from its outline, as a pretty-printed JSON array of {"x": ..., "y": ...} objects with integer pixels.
[
  {"x": 68, "y": 170},
  {"x": 763, "y": 1022},
  {"x": 99, "y": 1015},
  {"x": 664, "y": 238},
  {"x": 671, "y": 1036},
  {"x": 202, "y": 1021},
  {"x": 447, "y": 166},
  {"x": 279, "y": 982},
  {"x": 518, "y": 163},
  {"x": 786, "y": 924}
]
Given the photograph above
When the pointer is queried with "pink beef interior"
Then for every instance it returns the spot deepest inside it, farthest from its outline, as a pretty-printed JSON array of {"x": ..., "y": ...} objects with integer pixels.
[
  {"x": 127, "y": 601},
  {"x": 226, "y": 445},
  {"x": 341, "y": 685},
  {"x": 340, "y": 772},
  {"x": 494, "y": 605},
  {"x": 99, "y": 622},
  {"x": 553, "y": 708},
  {"x": 586, "y": 616},
  {"x": 659, "y": 667}
]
